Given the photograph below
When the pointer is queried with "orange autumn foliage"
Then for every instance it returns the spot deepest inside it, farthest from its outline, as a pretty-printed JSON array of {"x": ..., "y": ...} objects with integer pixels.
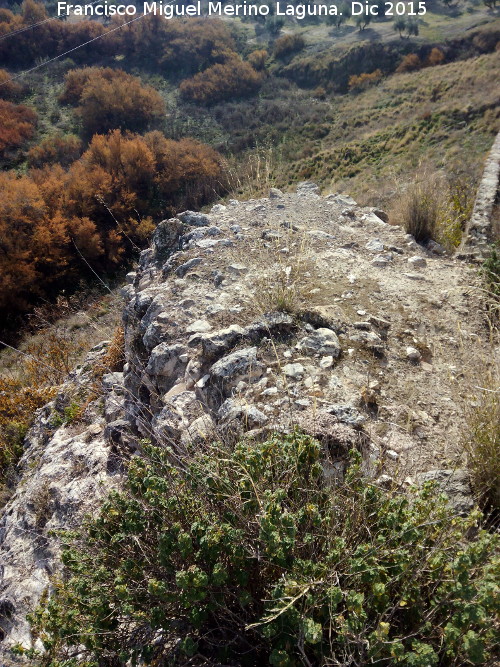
[
  {"x": 9, "y": 89},
  {"x": 111, "y": 99},
  {"x": 234, "y": 78},
  {"x": 435, "y": 57},
  {"x": 55, "y": 223},
  {"x": 364, "y": 80},
  {"x": 410, "y": 63},
  {"x": 48, "y": 38},
  {"x": 257, "y": 59},
  {"x": 31, "y": 243},
  {"x": 17, "y": 125},
  {"x": 57, "y": 149}
]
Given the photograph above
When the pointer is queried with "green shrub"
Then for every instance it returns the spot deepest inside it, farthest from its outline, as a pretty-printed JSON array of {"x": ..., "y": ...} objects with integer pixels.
[{"x": 247, "y": 557}]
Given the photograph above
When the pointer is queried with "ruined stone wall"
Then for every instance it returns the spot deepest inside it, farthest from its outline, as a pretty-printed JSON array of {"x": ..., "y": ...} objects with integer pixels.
[{"x": 478, "y": 235}]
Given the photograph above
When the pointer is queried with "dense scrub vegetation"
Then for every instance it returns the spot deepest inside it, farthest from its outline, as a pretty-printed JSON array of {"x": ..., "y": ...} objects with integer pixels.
[
  {"x": 246, "y": 556},
  {"x": 234, "y": 78},
  {"x": 17, "y": 125},
  {"x": 111, "y": 98}
]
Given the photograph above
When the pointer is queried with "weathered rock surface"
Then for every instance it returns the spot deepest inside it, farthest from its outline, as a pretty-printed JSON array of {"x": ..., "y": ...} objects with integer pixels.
[
  {"x": 206, "y": 359},
  {"x": 64, "y": 472}
]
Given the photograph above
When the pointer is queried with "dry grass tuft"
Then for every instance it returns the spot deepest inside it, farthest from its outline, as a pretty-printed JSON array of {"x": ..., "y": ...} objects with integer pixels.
[
  {"x": 483, "y": 445},
  {"x": 435, "y": 206}
]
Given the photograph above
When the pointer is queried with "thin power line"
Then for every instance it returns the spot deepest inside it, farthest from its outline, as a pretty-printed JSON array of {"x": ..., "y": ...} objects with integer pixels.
[
  {"x": 34, "y": 25},
  {"x": 75, "y": 48},
  {"x": 28, "y": 27}
]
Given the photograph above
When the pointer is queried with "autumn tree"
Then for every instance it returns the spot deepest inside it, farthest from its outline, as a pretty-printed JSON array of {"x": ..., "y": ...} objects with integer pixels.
[
  {"x": 257, "y": 59},
  {"x": 56, "y": 149},
  {"x": 47, "y": 37},
  {"x": 364, "y": 80},
  {"x": 58, "y": 225},
  {"x": 17, "y": 125},
  {"x": 435, "y": 57},
  {"x": 288, "y": 44},
  {"x": 32, "y": 245},
  {"x": 111, "y": 99},
  {"x": 9, "y": 89},
  {"x": 233, "y": 79},
  {"x": 410, "y": 63}
]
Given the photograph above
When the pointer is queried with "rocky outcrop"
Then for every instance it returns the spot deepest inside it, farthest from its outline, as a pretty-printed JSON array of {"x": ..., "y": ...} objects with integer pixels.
[
  {"x": 296, "y": 310},
  {"x": 65, "y": 470}
]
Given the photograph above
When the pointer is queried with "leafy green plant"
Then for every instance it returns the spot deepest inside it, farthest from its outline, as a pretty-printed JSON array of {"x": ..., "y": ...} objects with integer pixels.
[
  {"x": 70, "y": 413},
  {"x": 248, "y": 557}
]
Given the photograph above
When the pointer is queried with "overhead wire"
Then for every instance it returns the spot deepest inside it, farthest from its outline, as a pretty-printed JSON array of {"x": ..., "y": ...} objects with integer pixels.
[{"x": 79, "y": 46}]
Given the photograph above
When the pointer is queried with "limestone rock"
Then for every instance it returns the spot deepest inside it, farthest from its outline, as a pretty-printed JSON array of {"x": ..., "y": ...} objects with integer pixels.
[
  {"x": 454, "y": 483},
  {"x": 412, "y": 354},
  {"x": 417, "y": 261},
  {"x": 320, "y": 341},
  {"x": 293, "y": 371},
  {"x": 194, "y": 218},
  {"x": 164, "y": 360},
  {"x": 237, "y": 366}
]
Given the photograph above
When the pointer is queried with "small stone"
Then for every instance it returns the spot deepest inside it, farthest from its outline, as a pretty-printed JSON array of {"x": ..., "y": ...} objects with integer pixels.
[
  {"x": 417, "y": 261},
  {"x": 347, "y": 414},
  {"x": 326, "y": 362},
  {"x": 307, "y": 188},
  {"x": 456, "y": 485},
  {"x": 190, "y": 264},
  {"x": 320, "y": 234},
  {"x": 320, "y": 341},
  {"x": 194, "y": 218},
  {"x": 303, "y": 403},
  {"x": 414, "y": 276},
  {"x": 294, "y": 371},
  {"x": 412, "y": 354},
  {"x": 237, "y": 269},
  {"x": 274, "y": 193},
  {"x": 270, "y": 391},
  {"x": 271, "y": 235},
  {"x": 391, "y": 454},
  {"x": 203, "y": 381},
  {"x": 375, "y": 245},
  {"x": 385, "y": 481},
  {"x": 436, "y": 248},
  {"x": 369, "y": 339},
  {"x": 381, "y": 214},
  {"x": 380, "y": 262},
  {"x": 199, "y": 326}
]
